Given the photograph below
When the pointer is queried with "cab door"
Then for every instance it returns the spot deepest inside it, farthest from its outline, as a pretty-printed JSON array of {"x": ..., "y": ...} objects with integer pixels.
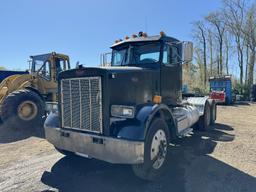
[{"x": 171, "y": 75}]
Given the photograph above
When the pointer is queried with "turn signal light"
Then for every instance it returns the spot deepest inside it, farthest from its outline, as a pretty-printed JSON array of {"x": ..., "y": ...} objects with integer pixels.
[
  {"x": 157, "y": 99},
  {"x": 144, "y": 34}
]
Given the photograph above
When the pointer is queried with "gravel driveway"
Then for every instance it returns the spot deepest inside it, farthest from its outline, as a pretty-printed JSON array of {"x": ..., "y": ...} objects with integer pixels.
[{"x": 223, "y": 159}]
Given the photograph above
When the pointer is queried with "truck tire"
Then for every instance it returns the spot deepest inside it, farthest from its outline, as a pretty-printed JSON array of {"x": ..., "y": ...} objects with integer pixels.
[
  {"x": 205, "y": 120},
  {"x": 155, "y": 151},
  {"x": 213, "y": 111},
  {"x": 23, "y": 109}
]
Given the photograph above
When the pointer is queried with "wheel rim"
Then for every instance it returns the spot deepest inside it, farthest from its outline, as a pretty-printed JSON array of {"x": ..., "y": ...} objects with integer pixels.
[
  {"x": 27, "y": 110},
  {"x": 158, "y": 149}
]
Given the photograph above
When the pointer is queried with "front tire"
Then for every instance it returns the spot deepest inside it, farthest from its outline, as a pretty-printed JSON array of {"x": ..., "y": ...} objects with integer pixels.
[
  {"x": 155, "y": 151},
  {"x": 23, "y": 109}
]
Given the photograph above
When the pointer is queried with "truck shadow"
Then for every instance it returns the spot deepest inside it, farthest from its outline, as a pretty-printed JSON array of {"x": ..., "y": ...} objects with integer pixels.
[{"x": 190, "y": 167}]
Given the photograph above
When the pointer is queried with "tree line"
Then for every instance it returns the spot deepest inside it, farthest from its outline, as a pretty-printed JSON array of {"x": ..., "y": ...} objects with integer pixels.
[{"x": 226, "y": 38}]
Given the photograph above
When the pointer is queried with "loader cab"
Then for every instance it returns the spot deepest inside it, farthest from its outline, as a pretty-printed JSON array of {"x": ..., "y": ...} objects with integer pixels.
[
  {"x": 165, "y": 55},
  {"x": 48, "y": 66}
]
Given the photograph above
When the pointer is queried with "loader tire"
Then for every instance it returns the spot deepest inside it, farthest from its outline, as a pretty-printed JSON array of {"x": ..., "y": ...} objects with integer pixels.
[{"x": 23, "y": 109}]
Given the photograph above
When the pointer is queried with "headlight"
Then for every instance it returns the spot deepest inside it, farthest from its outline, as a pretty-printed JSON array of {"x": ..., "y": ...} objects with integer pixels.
[{"x": 122, "y": 111}]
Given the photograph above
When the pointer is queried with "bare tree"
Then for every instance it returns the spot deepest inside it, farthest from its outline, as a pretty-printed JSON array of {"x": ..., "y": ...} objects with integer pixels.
[
  {"x": 227, "y": 47},
  {"x": 199, "y": 62},
  {"x": 210, "y": 46},
  {"x": 234, "y": 12},
  {"x": 250, "y": 36},
  {"x": 217, "y": 21},
  {"x": 200, "y": 36}
]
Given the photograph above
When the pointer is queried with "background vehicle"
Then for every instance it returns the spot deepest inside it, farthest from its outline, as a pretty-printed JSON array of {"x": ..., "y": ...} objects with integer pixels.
[
  {"x": 253, "y": 93},
  {"x": 221, "y": 89},
  {"x": 130, "y": 111},
  {"x": 23, "y": 96},
  {"x": 6, "y": 73}
]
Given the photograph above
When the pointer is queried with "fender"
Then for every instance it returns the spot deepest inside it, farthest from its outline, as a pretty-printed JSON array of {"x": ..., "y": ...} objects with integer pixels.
[
  {"x": 137, "y": 128},
  {"x": 36, "y": 91}
]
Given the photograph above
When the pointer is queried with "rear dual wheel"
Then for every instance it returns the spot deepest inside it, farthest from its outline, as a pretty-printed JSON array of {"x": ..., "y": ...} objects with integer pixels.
[
  {"x": 155, "y": 151},
  {"x": 209, "y": 117}
]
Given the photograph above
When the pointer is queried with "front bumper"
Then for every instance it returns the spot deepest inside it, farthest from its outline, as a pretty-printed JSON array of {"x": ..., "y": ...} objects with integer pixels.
[{"x": 108, "y": 149}]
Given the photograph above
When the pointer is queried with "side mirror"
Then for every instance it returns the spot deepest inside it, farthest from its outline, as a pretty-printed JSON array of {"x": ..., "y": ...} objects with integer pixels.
[
  {"x": 77, "y": 64},
  {"x": 187, "y": 51}
]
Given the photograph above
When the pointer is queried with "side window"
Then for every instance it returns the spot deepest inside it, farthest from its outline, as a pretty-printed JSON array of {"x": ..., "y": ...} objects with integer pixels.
[
  {"x": 170, "y": 55},
  {"x": 166, "y": 55},
  {"x": 60, "y": 65},
  {"x": 174, "y": 55},
  {"x": 45, "y": 70}
]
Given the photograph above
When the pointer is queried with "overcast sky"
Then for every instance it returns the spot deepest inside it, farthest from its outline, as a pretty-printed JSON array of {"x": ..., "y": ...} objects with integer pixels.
[{"x": 84, "y": 29}]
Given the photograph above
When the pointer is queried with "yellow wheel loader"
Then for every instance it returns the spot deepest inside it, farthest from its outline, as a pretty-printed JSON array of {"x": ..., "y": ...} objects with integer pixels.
[{"x": 23, "y": 97}]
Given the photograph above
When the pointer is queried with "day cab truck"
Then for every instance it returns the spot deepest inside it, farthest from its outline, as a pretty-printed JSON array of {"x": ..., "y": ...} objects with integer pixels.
[
  {"x": 129, "y": 112},
  {"x": 221, "y": 89}
]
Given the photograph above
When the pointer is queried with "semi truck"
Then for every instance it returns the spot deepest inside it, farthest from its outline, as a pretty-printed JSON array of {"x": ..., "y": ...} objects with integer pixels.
[
  {"x": 221, "y": 89},
  {"x": 130, "y": 111}
]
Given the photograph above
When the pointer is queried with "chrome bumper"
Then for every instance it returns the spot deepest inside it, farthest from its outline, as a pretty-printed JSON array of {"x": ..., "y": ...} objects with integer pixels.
[{"x": 107, "y": 149}]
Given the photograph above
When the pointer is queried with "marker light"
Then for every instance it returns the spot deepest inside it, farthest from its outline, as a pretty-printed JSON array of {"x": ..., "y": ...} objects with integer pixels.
[
  {"x": 157, "y": 99},
  {"x": 162, "y": 34},
  {"x": 144, "y": 34},
  {"x": 134, "y": 36},
  {"x": 127, "y": 37}
]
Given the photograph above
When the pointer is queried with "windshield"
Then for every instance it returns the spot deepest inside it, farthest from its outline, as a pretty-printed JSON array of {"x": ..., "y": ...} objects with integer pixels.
[
  {"x": 218, "y": 89},
  {"x": 137, "y": 54}
]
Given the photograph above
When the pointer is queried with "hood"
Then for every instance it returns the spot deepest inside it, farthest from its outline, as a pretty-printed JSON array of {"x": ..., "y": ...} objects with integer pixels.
[{"x": 122, "y": 85}]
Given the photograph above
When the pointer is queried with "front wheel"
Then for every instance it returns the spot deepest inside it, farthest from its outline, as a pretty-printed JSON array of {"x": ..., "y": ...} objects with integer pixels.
[{"x": 155, "y": 151}]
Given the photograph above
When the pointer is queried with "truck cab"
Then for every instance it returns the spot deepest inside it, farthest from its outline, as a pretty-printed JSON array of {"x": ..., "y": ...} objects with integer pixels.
[
  {"x": 128, "y": 112},
  {"x": 221, "y": 89}
]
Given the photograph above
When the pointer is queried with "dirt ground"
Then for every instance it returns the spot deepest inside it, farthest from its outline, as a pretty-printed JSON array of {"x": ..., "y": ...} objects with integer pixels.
[{"x": 223, "y": 159}]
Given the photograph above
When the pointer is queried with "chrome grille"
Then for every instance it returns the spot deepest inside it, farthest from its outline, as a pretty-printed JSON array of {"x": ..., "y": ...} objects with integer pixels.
[{"x": 82, "y": 104}]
